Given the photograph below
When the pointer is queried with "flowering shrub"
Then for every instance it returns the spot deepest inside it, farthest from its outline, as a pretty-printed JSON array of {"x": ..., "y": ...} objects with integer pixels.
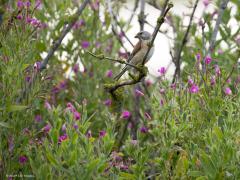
[{"x": 60, "y": 120}]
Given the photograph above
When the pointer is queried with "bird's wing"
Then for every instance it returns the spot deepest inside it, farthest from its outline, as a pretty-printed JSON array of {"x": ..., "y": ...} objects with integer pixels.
[{"x": 137, "y": 47}]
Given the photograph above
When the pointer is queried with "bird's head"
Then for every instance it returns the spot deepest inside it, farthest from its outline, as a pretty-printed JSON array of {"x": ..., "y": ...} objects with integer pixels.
[{"x": 143, "y": 35}]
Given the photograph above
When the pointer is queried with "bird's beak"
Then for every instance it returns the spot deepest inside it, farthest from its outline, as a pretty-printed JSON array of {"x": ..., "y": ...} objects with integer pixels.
[{"x": 137, "y": 36}]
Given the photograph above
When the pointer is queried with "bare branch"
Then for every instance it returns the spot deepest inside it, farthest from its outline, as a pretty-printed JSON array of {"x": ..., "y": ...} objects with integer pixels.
[
  {"x": 215, "y": 31},
  {"x": 114, "y": 60},
  {"x": 177, "y": 58}
]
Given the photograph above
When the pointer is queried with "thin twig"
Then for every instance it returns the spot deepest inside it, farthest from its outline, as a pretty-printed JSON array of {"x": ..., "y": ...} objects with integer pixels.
[
  {"x": 134, "y": 10},
  {"x": 160, "y": 21},
  {"x": 215, "y": 31},
  {"x": 142, "y": 16},
  {"x": 177, "y": 58},
  {"x": 112, "y": 59}
]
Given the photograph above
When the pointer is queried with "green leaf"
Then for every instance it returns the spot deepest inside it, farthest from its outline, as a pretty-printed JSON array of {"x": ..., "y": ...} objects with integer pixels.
[
  {"x": 6, "y": 125},
  {"x": 195, "y": 173},
  {"x": 13, "y": 108}
]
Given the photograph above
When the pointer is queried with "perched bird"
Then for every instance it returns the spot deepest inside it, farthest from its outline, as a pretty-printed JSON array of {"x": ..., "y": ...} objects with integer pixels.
[{"x": 139, "y": 51}]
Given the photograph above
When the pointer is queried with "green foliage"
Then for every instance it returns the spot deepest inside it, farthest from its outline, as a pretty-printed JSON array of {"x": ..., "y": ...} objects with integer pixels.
[{"x": 63, "y": 126}]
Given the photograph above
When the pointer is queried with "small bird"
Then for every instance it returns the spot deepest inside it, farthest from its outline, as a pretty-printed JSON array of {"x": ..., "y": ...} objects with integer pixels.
[{"x": 139, "y": 51}]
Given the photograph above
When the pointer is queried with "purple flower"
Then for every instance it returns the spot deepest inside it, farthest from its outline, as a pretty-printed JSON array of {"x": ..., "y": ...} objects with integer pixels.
[
  {"x": 97, "y": 45},
  {"x": 217, "y": 70},
  {"x": 125, "y": 114},
  {"x": 62, "y": 84},
  {"x": 62, "y": 138},
  {"x": 28, "y": 20},
  {"x": 64, "y": 127},
  {"x": 28, "y": 79},
  {"x": 76, "y": 68},
  {"x": 70, "y": 107},
  {"x": 28, "y": 3},
  {"x": 107, "y": 102},
  {"x": 162, "y": 70},
  {"x": 95, "y": 5},
  {"x": 148, "y": 82},
  {"x": 47, "y": 105},
  {"x": 102, "y": 133},
  {"x": 194, "y": 89},
  {"x": 138, "y": 93},
  {"x": 213, "y": 81},
  {"x": 173, "y": 86},
  {"x": 162, "y": 91},
  {"x": 123, "y": 54},
  {"x": 229, "y": 80},
  {"x": 109, "y": 73},
  {"x": 38, "y": 118},
  {"x": 47, "y": 128},
  {"x": 19, "y": 17},
  {"x": 20, "y": 4},
  {"x": 75, "y": 126},
  {"x": 206, "y": 2},
  {"x": 10, "y": 144},
  {"x": 208, "y": 60},
  {"x": 76, "y": 115},
  {"x": 89, "y": 134},
  {"x": 38, "y": 4},
  {"x": 228, "y": 91},
  {"x": 134, "y": 142},
  {"x": 37, "y": 65},
  {"x": 161, "y": 102},
  {"x": 198, "y": 56},
  {"x": 22, "y": 159},
  {"x": 190, "y": 81},
  {"x": 143, "y": 129},
  {"x": 85, "y": 44}
]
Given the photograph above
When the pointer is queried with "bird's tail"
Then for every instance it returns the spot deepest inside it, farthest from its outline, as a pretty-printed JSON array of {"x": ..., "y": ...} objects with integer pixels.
[{"x": 117, "y": 77}]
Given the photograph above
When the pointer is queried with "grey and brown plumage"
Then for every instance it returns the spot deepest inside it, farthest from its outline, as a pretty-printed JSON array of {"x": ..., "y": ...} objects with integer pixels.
[{"x": 139, "y": 51}]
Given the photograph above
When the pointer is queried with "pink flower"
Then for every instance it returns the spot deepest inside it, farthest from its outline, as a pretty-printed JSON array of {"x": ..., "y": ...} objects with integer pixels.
[
  {"x": 38, "y": 118},
  {"x": 38, "y": 4},
  {"x": 228, "y": 91},
  {"x": 162, "y": 91},
  {"x": 206, "y": 2},
  {"x": 109, "y": 73},
  {"x": 229, "y": 80},
  {"x": 62, "y": 138},
  {"x": 213, "y": 81},
  {"x": 190, "y": 81},
  {"x": 125, "y": 114},
  {"x": 162, "y": 70},
  {"x": 134, "y": 142},
  {"x": 19, "y": 17},
  {"x": 102, "y": 133},
  {"x": 173, "y": 86},
  {"x": 76, "y": 115},
  {"x": 208, "y": 60},
  {"x": 107, "y": 102},
  {"x": 194, "y": 89},
  {"x": 138, "y": 93},
  {"x": 148, "y": 82},
  {"x": 47, "y": 105},
  {"x": 22, "y": 159},
  {"x": 70, "y": 107},
  {"x": 47, "y": 128},
  {"x": 217, "y": 70}
]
